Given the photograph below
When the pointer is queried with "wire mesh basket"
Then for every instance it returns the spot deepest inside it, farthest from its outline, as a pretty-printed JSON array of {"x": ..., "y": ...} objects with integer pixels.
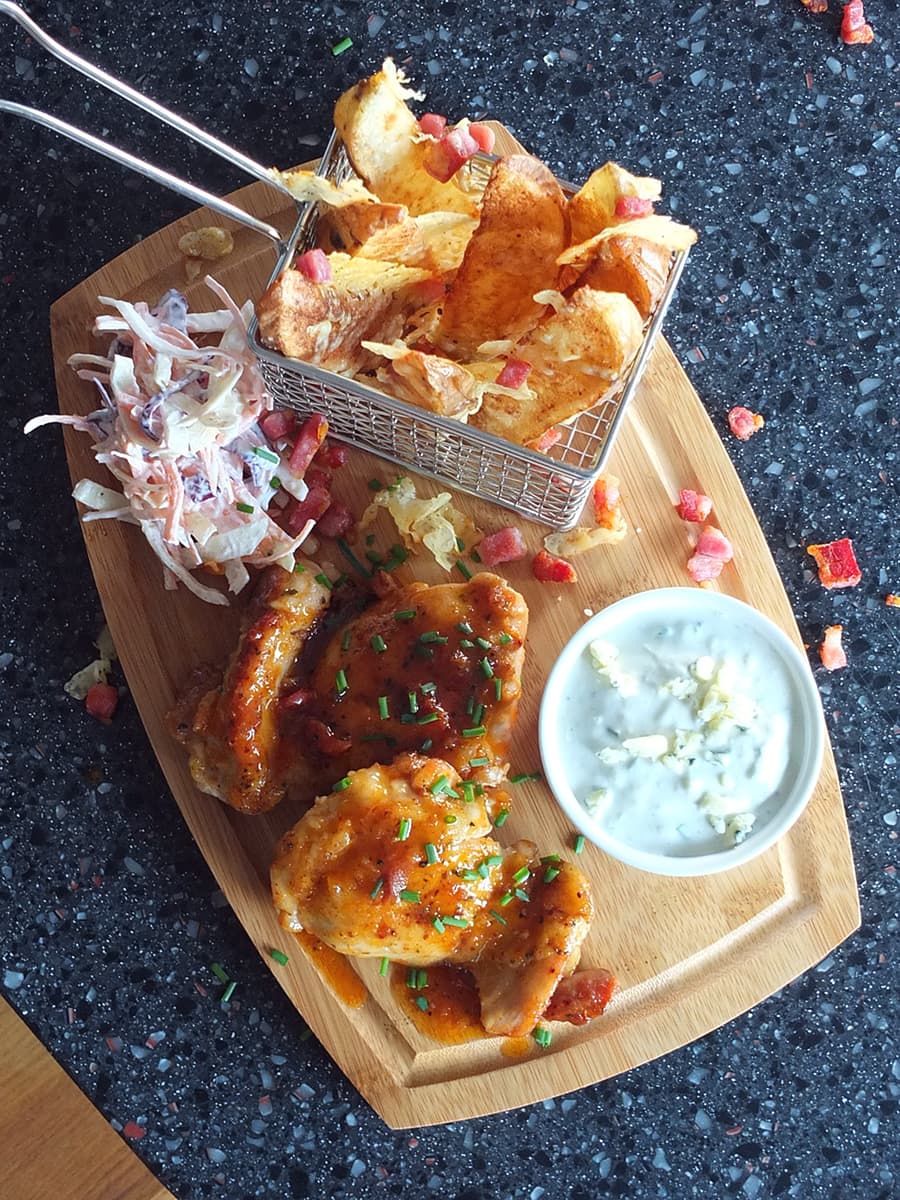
[{"x": 548, "y": 487}]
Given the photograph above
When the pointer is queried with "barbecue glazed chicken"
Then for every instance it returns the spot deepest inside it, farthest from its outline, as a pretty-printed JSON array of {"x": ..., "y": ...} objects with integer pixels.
[
  {"x": 397, "y": 861},
  {"x": 436, "y": 669}
]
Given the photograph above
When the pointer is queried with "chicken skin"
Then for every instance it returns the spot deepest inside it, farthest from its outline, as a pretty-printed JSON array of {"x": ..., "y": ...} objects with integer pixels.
[{"x": 396, "y": 862}]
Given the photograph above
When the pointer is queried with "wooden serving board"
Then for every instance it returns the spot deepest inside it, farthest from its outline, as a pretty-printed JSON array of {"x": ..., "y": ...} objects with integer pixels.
[{"x": 689, "y": 953}]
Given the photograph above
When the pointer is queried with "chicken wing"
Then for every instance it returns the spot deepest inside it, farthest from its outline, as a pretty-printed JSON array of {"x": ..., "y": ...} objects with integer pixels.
[
  {"x": 396, "y": 862},
  {"x": 236, "y": 750}
]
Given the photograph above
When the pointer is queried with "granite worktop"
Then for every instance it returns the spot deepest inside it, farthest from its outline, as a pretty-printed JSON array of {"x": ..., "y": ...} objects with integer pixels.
[{"x": 779, "y": 144}]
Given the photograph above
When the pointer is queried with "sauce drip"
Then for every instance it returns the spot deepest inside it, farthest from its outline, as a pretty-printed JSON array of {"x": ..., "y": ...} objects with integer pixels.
[
  {"x": 453, "y": 1014},
  {"x": 335, "y": 970}
]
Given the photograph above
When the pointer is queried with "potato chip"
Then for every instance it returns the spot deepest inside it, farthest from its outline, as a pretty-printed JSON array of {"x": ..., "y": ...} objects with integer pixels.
[
  {"x": 512, "y": 254},
  {"x": 383, "y": 141},
  {"x": 427, "y": 380},
  {"x": 634, "y": 266},
  {"x": 662, "y": 231},
  {"x": 594, "y": 207}
]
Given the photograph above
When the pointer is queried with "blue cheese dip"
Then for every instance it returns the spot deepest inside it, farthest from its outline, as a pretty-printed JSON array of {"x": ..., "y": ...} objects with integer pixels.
[{"x": 676, "y": 730}]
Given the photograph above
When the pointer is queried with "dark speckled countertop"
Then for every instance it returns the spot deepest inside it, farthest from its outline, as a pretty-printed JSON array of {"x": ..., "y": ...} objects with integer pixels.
[{"x": 781, "y": 146}]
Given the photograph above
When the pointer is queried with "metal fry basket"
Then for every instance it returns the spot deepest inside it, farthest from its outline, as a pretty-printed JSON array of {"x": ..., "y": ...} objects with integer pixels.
[{"x": 547, "y": 487}]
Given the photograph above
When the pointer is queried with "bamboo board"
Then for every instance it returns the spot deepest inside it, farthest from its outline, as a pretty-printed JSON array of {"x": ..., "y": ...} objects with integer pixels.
[{"x": 689, "y": 954}]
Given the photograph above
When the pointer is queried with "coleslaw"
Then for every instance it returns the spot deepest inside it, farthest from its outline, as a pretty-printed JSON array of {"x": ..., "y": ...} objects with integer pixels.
[{"x": 179, "y": 429}]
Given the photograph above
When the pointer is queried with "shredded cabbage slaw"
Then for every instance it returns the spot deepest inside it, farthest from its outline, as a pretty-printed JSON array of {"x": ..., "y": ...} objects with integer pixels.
[{"x": 178, "y": 429}]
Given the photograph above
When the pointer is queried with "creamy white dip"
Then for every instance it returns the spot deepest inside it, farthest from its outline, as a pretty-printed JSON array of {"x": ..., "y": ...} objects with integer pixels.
[{"x": 675, "y": 734}]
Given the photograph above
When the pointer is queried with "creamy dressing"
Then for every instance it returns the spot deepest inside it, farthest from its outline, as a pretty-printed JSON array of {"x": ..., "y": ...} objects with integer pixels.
[{"x": 676, "y": 734}]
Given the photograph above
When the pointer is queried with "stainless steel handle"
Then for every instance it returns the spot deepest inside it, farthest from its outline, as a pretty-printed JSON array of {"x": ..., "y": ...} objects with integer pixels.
[{"x": 235, "y": 157}]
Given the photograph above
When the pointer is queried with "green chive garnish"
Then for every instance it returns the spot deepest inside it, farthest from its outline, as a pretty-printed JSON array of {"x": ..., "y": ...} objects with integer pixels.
[
  {"x": 505, "y": 639},
  {"x": 543, "y": 1036},
  {"x": 470, "y": 706},
  {"x": 466, "y": 643},
  {"x": 483, "y": 870},
  {"x": 464, "y": 627},
  {"x": 219, "y": 972},
  {"x": 376, "y": 485},
  {"x": 468, "y": 792},
  {"x": 478, "y": 714},
  {"x": 341, "y": 784},
  {"x": 341, "y": 46},
  {"x": 493, "y": 912},
  {"x": 483, "y": 643},
  {"x": 550, "y": 858},
  {"x": 383, "y": 708},
  {"x": 475, "y": 556},
  {"x": 475, "y": 731},
  {"x": 521, "y": 875},
  {"x": 535, "y": 777},
  {"x": 460, "y": 544},
  {"x": 275, "y": 483},
  {"x": 345, "y": 640},
  {"x": 324, "y": 580},
  {"x": 406, "y": 614},
  {"x": 427, "y": 688},
  {"x": 521, "y": 895},
  {"x": 229, "y": 992},
  {"x": 426, "y": 719},
  {"x": 376, "y": 890},
  {"x": 432, "y": 636},
  {"x": 498, "y": 688},
  {"x": 404, "y": 830},
  {"x": 450, "y": 819},
  {"x": 383, "y": 967},
  {"x": 378, "y": 644},
  {"x": 266, "y": 454},
  {"x": 421, "y": 978},
  {"x": 407, "y": 719},
  {"x": 438, "y": 924},
  {"x": 340, "y": 682},
  {"x": 507, "y": 898},
  {"x": 410, "y": 897},
  {"x": 411, "y": 977},
  {"x": 550, "y": 874},
  {"x": 463, "y": 569},
  {"x": 426, "y": 746},
  {"x": 579, "y": 843},
  {"x": 351, "y": 557},
  {"x": 245, "y": 508},
  {"x": 456, "y": 922},
  {"x": 413, "y": 702},
  {"x": 299, "y": 568},
  {"x": 486, "y": 669},
  {"x": 470, "y": 876},
  {"x": 280, "y": 957},
  {"x": 422, "y": 1003},
  {"x": 431, "y": 855},
  {"x": 478, "y": 762},
  {"x": 500, "y": 819},
  {"x": 441, "y": 784},
  {"x": 494, "y": 860}
]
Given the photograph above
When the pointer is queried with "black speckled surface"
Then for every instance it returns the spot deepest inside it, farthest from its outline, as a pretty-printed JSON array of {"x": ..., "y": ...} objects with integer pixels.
[{"x": 781, "y": 146}]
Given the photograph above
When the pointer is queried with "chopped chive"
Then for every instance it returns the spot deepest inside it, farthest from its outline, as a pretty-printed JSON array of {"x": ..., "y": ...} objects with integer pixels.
[
  {"x": 341, "y": 784},
  {"x": 407, "y": 719},
  {"x": 486, "y": 669},
  {"x": 534, "y": 777},
  {"x": 521, "y": 875},
  {"x": 219, "y": 972},
  {"x": 450, "y": 818},
  {"x": 411, "y": 977},
  {"x": 351, "y": 557},
  {"x": 579, "y": 843},
  {"x": 410, "y": 897},
  {"x": 342, "y": 578},
  {"x": 421, "y": 1003},
  {"x": 550, "y": 874},
  {"x": 466, "y": 643},
  {"x": 426, "y": 746},
  {"x": 464, "y": 627},
  {"x": 500, "y": 819},
  {"x": 345, "y": 640},
  {"x": 456, "y": 922},
  {"x": 427, "y": 688},
  {"x": 378, "y": 644},
  {"x": 229, "y": 991},
  {"x": 475, "y": 556},
  {"x": 479, "y": 789},
  {"x": 470, "y": 706},
  {"x": 470, "y": 876},
  {"x": 431, "y": 855},
  {"x": 432, "y": 636},
  {"x": 460, "y": 544},
  {"x": 478, "y": 762},
  {"x": 550, "y": 858},
  {"x": 438, "y": 924},
  {"x": 441, "y": 784},
  {"x": 324, "y": 580},
  {"x": 421, "y": 651},
  {"x": 505, "y": 639},
  {"x": 498, "y": 688},
  {"x": 405, "y": 614},
  {"x": 275, "y": 483},
  {"x": 244, "y": 508},
  {"x": 468, "y": 792},
  {"x": 475, "y": 731},
  {"x": 463, "y": 569},
  {"x": 478, "y": 714},
  {"x": 374, "y": 558},
  {"x": 404, "y": 829},
  {"x": 299, "y": 568},
  {"x": 521, "y": 895},
  {"x": 341, "y": 46},
  {"x": 413, "y": 702},
  {"x": 483, "y": 870},
  {"x": 483, "y": 643},
  {"x": 340, "y": 682},
  {"x": 399, "y": 552},
  {"x": 383, "y": 708},
  {"x": 261, "y": 452},
  {"x": 376, "y": 890},
  {"x": 494, "y": 860},
  {"x": 543, "y": 1036},
  {"x": 383, "y": 966},
  {"x": 421, "y": 978},
  {"x": 493, "y": 912},
  {"x": 375, "y": 485},
  {"x": 507, "y": 898},
  {"x": 280, "y": 957},
  {"x": 427, "y": 718}
]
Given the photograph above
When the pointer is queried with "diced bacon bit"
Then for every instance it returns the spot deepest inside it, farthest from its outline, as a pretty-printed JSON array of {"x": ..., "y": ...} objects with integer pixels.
[
  {"x": 831, "y": 651},
  {"x": 607, "y": 502},
  {"x": 336, "y": 521},
  {"x": 307, "y": 442},
  {"x": 854, "y": 30},
  {"x": 743, "y": 423},
  {"x": 312, "y": 506},
  {"x": 278, "y": 424},
  {"x": 314, "y": 265},
  {"x": 581, "y": 997},
  {"x": 702, "y": 568},
  {"x": 505, "y": 545},
  {"x": 443, "y": 159},
  {"x": 549, "y": 569},
  {"x": 433, "y": 124},
  {"x": 837, "y": 563},
  {"x": 547, "y": 439},
  {"x": 101, "y": 701},
  {"x": 713, "y": 543},
  {"x": 630, "y": 207},
  {"x": 514, "y": 373},
  {"x": 693, "y": 506},
  {"x": 134, "y": 1131},
  {"x": 332, "y": 454},
  {"x": 484, "y": 136},
  {"x": 892, "y": 601}
]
